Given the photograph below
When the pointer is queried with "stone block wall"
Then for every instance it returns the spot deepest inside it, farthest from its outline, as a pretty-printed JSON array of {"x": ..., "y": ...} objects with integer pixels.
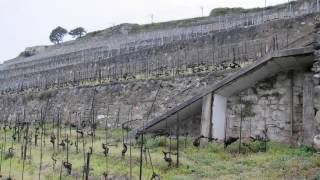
[
  {"x": 317, "y": 108},
  {"x": 119, "y": 102},
  {"x": 275, "y": 103}
]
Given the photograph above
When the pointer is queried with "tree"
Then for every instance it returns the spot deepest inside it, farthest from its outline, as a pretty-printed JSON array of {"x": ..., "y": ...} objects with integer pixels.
[
  {"x": 77, "y": 32},
  {"x": 57, "y": 35}
]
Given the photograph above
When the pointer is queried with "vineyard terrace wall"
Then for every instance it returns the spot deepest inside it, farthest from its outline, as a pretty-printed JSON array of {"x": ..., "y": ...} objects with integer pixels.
[
  {"x": 124, "y": 38},
  {"x": 234, "y": 46},
  {"x": 118, "y": 102}
]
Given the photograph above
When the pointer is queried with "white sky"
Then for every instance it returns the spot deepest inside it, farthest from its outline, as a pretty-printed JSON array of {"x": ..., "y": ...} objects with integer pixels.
[{"x": 25, "y": 23}]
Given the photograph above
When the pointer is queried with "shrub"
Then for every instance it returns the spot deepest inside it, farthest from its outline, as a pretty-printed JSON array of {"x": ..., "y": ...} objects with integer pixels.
[
  {"x": 46, "y": 95},
  {"x": 8, "y": 155},
  {"x": 316, "y": 176},
  {"x": 248, "y": 109},
  {"x": 157, "y": 142},
  {"x": 225, "y": 11},
  {"x": 305, "y": 150}
]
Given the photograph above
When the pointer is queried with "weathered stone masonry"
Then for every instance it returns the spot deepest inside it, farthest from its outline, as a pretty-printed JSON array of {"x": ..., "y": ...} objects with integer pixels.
[{"x": 270, "y": 103}]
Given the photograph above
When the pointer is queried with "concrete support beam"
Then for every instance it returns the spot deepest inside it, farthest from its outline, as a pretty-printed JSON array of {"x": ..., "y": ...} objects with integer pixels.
[
  {"x": 308, "y": 114},
  {"x": 219, "y": 109},
  {"x": 206, "y": 118}
]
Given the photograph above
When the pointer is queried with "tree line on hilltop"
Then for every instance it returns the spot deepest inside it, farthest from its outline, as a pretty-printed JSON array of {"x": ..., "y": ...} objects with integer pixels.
[{"x": 58, "y": 33}]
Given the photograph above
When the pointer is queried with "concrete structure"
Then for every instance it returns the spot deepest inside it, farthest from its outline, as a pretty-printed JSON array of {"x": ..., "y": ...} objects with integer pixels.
[
  {"x": 218, "y": 119},
  {"x": 308, "y": 109},
  {"x": 206, "y": 116}
]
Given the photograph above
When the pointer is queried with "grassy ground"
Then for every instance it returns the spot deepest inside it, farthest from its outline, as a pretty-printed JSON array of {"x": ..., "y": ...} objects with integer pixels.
[{"x": 210, "y": 162}]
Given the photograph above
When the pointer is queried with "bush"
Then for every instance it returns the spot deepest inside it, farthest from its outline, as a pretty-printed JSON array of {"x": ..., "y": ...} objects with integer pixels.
[
  {"x": 252, "y": 147},
  {"x": 225, "y": 11},
  {"x": 248, "y": 109},
  {"x": 215, "y": 147},
  {"x": 316, "y": 176},
  {"x": 305, "y": 150},
  {"x": 8, "y": 155},
  {"x": 157, "y": 142},
  {"x": 26, "y": 54},
  {"x": 46, "y": 95}
]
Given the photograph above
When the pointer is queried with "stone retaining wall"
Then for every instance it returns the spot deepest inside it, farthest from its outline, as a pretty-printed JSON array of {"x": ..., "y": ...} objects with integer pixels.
[{"x": 269, "y": 104}]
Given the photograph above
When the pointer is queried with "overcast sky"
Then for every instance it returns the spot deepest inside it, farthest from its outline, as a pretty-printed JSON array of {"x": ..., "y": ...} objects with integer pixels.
[{"x": 25, "y": 23}]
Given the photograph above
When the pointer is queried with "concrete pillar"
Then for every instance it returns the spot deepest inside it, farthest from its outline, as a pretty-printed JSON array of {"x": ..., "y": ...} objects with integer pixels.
[
  {"x": 219, "y": 109},
  {"x": 206, "y": 118},
  {"x": 308, "y": 110}
]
